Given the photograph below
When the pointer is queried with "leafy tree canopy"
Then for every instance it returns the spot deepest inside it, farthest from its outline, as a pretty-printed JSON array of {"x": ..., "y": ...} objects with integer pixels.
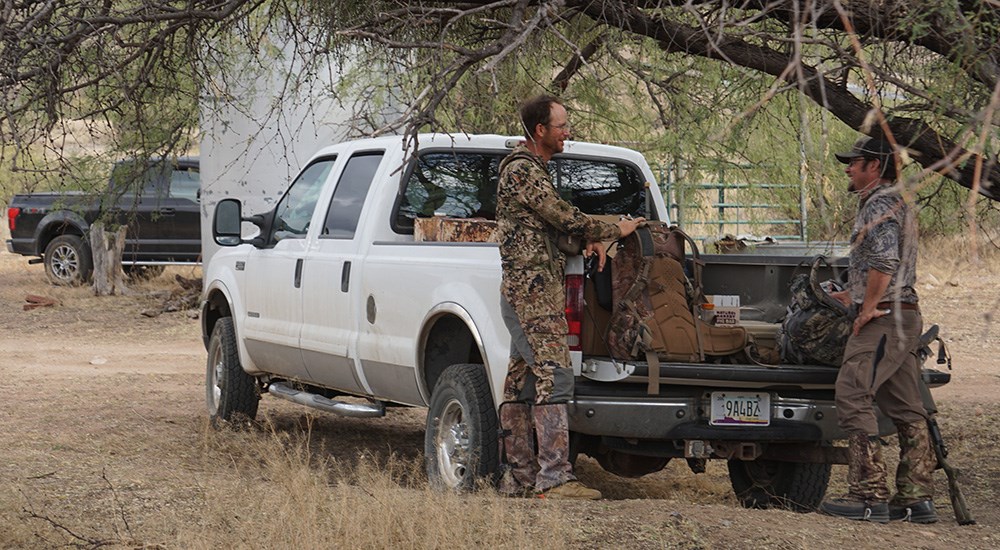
[{"x": 684, "y": 77}]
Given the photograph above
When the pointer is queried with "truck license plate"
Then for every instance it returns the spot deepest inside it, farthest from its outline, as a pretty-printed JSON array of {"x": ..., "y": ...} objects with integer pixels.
[{"x": 740, "y": 409}]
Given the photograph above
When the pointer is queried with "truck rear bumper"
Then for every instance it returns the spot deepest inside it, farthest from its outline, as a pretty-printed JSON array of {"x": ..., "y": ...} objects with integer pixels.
[
  {"x": 22, "y": 246},
  {"x": 686, "y": 418}
]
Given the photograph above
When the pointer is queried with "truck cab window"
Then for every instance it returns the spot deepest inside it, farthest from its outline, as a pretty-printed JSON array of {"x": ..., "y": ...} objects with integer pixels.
[
  {"x": 185, "y": 183},
  {"x": 349, "y": 196},
  {"x": 600, "y": 187},
  {"x": 464, "y": 185},
  {"x": 457, "y": 185},
  {"x": 295, "y": 210}
]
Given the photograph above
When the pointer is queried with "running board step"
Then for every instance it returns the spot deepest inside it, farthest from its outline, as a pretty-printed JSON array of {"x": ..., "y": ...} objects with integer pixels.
[{"x": 358, "y": 410}]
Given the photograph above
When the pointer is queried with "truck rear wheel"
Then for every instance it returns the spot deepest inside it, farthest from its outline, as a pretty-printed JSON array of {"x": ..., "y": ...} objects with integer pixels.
[
  {"x": 460, "y": 443},
  {"x": 68, "y": 261},
  {"x": 796, "y": 486},
  {"x": 230, "y": 393}
]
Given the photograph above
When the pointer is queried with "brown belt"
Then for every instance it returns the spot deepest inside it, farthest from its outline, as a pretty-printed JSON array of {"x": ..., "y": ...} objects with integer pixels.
[{"x": 900, "y": 305}]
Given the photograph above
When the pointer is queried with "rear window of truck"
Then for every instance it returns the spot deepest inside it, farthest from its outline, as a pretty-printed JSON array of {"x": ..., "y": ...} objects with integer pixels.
[{"x": 464, "y": 185}]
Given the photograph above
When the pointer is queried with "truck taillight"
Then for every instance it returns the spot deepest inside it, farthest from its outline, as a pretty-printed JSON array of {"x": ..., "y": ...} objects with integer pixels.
[
  {"x": 574, "y": 311},
  {"x": 12, "y": 214}
]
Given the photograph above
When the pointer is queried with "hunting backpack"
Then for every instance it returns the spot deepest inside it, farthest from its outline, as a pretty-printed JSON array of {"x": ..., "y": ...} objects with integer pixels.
[
  {"x": 655, "y": 303},
  {"x": 816, "y": 326}
]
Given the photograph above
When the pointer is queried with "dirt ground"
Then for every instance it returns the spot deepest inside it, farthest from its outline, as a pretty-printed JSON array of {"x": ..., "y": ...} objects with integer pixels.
[{"x": 104, "y": 435}]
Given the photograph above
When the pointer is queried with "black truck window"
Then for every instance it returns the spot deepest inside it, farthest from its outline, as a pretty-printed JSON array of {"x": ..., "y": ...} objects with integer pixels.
[
  {"x": 600, "y": 187},
  {"x": 349, "y": 196},
  {"x": 464, "y": 185}
]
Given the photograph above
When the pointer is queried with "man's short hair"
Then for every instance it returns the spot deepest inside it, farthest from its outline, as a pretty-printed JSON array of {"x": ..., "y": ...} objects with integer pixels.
[
  {"x": 535, "y": 111},
  {"x": 870, "y": 148}
]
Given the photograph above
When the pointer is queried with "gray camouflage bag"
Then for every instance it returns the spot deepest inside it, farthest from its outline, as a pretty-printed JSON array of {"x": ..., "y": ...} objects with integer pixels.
[{"x": 816, "y": 326}]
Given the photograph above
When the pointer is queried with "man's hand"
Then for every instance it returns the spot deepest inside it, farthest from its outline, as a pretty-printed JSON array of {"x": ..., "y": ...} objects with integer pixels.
[
  {"x": 866, "y": 315},
  {"x": 875, "y": 287},
  {"x": 628, "y": 225},
  {"x": 842, "y": 296},
  {"x": 596, "y": 247}
]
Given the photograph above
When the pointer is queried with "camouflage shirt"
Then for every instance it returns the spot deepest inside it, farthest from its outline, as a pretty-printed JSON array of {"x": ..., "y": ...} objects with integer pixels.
[
  {"x": 530, "y": 214},
  {"x": 885, "y": 239}
]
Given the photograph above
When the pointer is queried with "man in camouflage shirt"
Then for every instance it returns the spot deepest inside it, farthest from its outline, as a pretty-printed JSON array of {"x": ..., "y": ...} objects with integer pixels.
[
  {"x": 881, "y": 279},
  {"x": 539, "y": 382}
]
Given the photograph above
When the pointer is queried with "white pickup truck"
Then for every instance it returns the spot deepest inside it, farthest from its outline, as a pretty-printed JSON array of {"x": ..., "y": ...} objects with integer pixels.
[{"x": 336, "y": 296}]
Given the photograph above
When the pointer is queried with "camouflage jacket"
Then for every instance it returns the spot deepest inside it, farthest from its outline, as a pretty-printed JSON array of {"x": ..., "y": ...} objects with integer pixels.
[
  {"x": 884, "y": 238},
  {"x": 530, "y": 214}
]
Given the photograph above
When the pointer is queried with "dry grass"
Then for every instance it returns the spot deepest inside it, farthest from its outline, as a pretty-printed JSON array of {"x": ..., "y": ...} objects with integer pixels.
[
  {"x": 279, "y": 492},
  {"x": 120, "y": 455}
]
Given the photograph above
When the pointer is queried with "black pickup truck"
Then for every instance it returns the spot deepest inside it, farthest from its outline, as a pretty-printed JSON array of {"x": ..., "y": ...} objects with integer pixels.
[{"x": 157, "y": 199}]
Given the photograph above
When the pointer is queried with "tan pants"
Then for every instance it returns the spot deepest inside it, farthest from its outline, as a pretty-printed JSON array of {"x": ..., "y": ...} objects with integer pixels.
[{"x": 893, "y": 383}]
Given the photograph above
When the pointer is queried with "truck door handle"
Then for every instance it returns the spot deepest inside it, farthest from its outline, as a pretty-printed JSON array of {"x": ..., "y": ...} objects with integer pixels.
[
  {"x": 345, "y": 277},
  {"x": 167, "y": 211},
  {"x": 298, "y": 273}
]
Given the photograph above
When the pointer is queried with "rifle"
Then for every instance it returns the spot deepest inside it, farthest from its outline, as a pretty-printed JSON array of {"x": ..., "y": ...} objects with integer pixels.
[{"x": 962, "y": 515}]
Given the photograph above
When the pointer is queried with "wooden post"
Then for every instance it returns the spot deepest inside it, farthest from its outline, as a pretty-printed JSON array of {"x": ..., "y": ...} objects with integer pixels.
[{"x": 107, "y": 248}]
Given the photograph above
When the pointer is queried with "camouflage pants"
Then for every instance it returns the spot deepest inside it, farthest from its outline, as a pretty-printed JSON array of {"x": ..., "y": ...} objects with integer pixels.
[
  {"x": 893, "y": 383},
  {"x": 549, "y": 466},
  {"x": 538, "y": 385},
  {"x": 917, "y": 463},
  {"x": 866, "y": 474},
  {"x": 539, "y": 357}
]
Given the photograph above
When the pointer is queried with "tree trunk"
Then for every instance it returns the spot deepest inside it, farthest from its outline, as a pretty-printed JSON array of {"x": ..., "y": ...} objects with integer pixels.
[{"x": 107, "y": 247}]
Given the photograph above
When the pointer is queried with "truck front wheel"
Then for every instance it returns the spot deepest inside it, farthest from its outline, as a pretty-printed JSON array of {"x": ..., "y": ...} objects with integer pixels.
[
  {"x": 794, "y": 486},
  {"x": 230, "y": 393},
  {"x": 68, "y": 261},
  {"x": 460, "y": 443}
]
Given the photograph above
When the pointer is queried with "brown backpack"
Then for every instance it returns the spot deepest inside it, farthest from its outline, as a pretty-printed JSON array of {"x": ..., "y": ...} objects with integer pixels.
[{"x": 655, "y": 304}]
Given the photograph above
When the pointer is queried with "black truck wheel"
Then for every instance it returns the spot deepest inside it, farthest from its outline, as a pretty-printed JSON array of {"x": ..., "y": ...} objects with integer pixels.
[
  {"x": 793, "y": 486},
  {"x": 460, "y": 443},
  {"x": 230, "y": 393},
  {"x": 68, "y": 261}
]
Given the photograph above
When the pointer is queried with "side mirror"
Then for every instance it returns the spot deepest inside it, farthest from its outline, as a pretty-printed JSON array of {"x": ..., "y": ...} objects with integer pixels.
[{"x": 227, "y": 222}]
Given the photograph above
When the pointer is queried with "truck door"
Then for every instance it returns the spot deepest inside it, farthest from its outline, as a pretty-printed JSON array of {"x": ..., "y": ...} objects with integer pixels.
[
  {"x": 274, "y": 277},
  {"x": 134, "y": 191},
  {"x": 331, "y": 313},
  {"x": 159, "y": 202},
  {"x": 180, "y": 214}
]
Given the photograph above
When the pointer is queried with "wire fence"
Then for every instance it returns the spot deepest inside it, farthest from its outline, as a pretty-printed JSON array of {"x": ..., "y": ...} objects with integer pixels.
[{"x": 735, "y": 200}]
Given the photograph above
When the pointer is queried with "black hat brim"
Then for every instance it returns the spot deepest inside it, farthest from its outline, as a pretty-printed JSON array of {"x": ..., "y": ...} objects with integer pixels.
[{"x": 846, "y": 158}]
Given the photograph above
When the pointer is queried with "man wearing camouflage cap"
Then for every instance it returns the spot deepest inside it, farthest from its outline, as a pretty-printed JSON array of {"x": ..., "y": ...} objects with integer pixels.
[
  {"x": 539, "y": 382},
  {"x": 881, "y": 284}
]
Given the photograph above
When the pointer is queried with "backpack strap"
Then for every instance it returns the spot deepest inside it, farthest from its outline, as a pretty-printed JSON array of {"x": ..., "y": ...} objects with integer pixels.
[
  {"x": 644, "y": 340},
  {"x": 818, "y": 291},
  {"x": 653, "y": 373},
  {"x": 697, "y": 265}
]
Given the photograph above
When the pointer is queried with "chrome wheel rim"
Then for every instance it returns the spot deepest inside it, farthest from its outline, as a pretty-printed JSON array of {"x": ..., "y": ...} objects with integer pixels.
[
  {"x": 65, "y": 263},
  {"x": 453, "y": 444}
]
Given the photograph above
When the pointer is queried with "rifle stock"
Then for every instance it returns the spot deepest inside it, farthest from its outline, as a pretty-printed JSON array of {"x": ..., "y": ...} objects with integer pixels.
[{"x": 962, "y": 515}]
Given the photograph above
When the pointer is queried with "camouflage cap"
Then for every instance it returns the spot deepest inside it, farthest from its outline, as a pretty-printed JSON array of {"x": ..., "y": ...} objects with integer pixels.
[{"x": 866, "y": 147}]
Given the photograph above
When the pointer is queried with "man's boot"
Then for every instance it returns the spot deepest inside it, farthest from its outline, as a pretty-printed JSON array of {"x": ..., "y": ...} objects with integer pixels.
[
  {"x": 913, "y": 500},
  {"x": 555, "y": 479},
  {"x": 519, "y": 449},
  {"x": 867, "y": 492}
]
